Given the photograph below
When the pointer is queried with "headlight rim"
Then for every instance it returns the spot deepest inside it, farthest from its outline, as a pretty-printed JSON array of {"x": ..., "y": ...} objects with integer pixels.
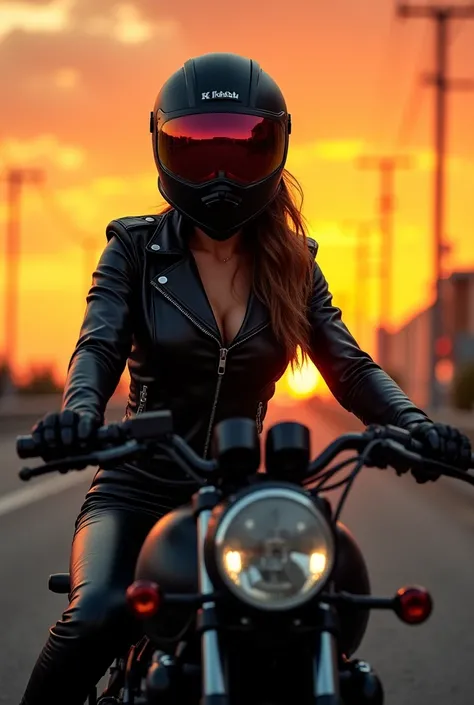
[{"x": 224, "y": 514}]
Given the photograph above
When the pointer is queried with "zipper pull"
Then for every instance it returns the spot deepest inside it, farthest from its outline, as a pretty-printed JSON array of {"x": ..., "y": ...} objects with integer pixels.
[
  {"x": 222, "y": 361},
  {"x": 258, "y": 418}
]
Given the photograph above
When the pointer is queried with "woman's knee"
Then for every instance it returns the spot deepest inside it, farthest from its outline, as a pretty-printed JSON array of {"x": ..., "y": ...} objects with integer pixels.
[{"x": 92, "y": 612}]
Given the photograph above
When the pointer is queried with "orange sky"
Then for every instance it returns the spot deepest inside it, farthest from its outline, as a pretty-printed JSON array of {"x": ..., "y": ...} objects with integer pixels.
[{"x": 79, "y": 77}]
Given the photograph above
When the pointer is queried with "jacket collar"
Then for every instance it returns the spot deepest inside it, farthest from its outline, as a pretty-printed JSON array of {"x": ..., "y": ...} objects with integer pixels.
[
  {"x": 169, "y": 236},
  {"x": 180, "y": 282}
]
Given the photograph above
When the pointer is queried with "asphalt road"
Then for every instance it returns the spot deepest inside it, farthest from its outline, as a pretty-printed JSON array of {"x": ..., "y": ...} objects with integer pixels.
[{"x": 409, "y": 533}]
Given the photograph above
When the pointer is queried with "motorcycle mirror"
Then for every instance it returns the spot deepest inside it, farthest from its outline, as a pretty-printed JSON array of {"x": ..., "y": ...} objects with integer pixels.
[{"x": 287, "y": 451}]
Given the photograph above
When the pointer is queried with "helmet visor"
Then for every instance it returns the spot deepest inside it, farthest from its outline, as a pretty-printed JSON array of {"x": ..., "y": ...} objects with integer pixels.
[{"x": 242, "y": 148}]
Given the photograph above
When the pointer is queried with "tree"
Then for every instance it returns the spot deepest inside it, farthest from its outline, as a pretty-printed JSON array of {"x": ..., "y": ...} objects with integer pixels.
[
  {"x": 41, "y": 381},
  {"x": 5, "y": 378}
]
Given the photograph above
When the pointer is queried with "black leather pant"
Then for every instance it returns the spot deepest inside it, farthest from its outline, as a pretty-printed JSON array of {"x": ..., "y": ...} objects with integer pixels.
[{"x": 119, "y": 511}]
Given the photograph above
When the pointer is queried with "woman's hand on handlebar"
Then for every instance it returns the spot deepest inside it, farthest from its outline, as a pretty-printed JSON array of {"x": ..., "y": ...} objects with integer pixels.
[
  {"x": 443, "y": 443},
  {"x": 63, "y": 433}
]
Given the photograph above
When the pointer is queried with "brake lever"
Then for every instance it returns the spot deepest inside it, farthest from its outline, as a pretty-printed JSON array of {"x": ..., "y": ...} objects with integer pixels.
[
  {"x": 80, "y": 462},
  {"x": 416, "y": 460}
]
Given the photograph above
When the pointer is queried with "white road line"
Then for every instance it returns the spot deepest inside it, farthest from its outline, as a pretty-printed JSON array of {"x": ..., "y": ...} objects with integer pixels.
[{"x": 46, "y": 488}]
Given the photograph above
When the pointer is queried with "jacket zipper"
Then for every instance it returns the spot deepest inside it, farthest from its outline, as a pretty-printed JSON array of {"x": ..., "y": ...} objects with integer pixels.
[
  {"x": 223, "y": 352},
  {"x": 142, "y": 399},
  {"x": 221, "y": 369},
  {"x": 185, "y": 313},
  {"x": 220, "y": 374},
  {"x": 258, "y": 418}
]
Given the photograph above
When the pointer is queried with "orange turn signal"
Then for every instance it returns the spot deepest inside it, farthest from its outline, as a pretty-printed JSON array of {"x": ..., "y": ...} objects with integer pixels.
[{"x": 144, "y": 598}]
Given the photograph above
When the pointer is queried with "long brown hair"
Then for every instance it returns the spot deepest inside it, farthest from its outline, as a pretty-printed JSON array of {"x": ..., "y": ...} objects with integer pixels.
[
  {"x": 282, "y": 274},
  {"x": 283, "y": 268}
]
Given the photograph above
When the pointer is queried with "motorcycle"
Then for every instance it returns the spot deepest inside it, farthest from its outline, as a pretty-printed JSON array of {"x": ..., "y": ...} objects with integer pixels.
[{"x": 239, "y": 594}]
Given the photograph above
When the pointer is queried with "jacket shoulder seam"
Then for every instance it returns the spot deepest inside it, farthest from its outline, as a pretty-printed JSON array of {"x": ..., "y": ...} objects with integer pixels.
[{"x": 129, "y": 224}]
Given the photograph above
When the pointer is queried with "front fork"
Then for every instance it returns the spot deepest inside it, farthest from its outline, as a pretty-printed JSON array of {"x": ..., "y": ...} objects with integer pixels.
[
  {"x": 214, "y": 691},
  {"x": 337, "y": 681},
  {"x": 326, "y": 689}
]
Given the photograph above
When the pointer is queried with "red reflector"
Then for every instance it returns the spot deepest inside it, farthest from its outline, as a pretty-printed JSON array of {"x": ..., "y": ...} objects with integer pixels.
[
  {"x": 143, "y": 596},
  {"x": 413, "y": 605}
]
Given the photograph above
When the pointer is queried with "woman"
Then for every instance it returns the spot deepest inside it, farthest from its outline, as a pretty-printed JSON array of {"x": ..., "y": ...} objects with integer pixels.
[{"x": 208, "y": 302}]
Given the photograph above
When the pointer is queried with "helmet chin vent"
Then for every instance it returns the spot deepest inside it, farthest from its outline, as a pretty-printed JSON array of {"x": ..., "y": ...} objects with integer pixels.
[{"x": 221, "y": 196}]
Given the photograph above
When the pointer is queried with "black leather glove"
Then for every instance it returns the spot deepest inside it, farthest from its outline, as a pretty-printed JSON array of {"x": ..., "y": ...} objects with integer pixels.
[
  {"x": 68, "y": 432},
  {"x": 444, "y": 443}
]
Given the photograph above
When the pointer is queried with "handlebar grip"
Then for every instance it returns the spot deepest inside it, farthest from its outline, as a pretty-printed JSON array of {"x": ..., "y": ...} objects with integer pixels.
[{"x": 26, "y": 447}]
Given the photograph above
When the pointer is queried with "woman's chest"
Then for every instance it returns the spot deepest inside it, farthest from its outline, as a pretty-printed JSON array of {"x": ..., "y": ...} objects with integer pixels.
[
  {"x": 227, "y": 287},
  {"x": 187, "y": 331}
]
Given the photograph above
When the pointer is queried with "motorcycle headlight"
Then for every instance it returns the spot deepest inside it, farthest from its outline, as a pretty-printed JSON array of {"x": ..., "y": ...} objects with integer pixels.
[{"x": 274, "y": 549}]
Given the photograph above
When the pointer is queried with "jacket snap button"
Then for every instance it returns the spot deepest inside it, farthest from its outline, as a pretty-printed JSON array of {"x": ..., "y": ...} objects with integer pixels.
[
  {"x": 162, "y": 280},
  {"x": 155, "y": 247}
]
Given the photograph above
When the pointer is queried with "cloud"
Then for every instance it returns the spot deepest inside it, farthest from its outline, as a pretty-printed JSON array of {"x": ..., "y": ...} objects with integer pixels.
[
  {"x": 66, "y": 78},
  {"x": 310, "y": 153},
  {"x": 44, "y": 150},
  {"x": 425, "y": 160},
  {"x": 328, "y": 151},
  {"x": 34, "y": 17},
  {"x": 125, "y": 22},
  {"x": 92, "y": 82}
]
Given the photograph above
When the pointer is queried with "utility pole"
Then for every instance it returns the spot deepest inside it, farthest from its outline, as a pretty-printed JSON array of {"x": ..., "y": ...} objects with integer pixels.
[
  {"x": 387, "y": 167},
  {"x": 441, "y": 15},
  {"x": 364, "y": 231},
  {"x": 16, "y": 179}
]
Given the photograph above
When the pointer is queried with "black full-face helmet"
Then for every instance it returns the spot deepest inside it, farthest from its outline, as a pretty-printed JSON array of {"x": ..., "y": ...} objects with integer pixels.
[{"x": 220, "y": 131}]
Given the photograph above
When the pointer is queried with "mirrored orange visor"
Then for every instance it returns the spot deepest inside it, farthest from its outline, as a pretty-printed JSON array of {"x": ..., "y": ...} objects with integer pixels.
[{"x": 243, "y": 148}]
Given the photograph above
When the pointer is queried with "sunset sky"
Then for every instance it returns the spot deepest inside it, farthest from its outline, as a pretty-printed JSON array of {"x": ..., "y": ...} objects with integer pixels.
[{"x": 79, "y": 77}]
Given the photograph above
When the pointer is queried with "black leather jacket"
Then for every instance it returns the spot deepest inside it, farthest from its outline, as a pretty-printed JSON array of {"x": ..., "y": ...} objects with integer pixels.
[{"x": 147, "y": 304}]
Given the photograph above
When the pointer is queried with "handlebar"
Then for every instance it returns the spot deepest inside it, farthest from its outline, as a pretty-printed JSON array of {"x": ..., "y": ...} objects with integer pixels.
[
  {"x": 148, "y": 427},
  {"x": 151, "y": 432}
]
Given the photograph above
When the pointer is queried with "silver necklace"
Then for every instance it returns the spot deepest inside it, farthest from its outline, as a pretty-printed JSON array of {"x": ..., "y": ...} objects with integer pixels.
[{"x": 224, "y": 260}]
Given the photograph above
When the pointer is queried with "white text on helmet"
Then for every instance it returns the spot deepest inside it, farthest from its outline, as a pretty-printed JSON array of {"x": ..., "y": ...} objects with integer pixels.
[{"x": 216, "y": 95}]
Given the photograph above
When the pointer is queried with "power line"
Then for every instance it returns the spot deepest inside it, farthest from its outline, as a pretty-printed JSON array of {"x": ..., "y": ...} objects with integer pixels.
[
  {"x": 458, "y": 29},
  {"x": 386, "y": 61},
  {"x": 386, "y": 65},
  {"x": 410, "y": 112},
  {"x": 71, "y": 230},
  {"x": 75, "y": 233},
  {"x": 442, "y": 16}
]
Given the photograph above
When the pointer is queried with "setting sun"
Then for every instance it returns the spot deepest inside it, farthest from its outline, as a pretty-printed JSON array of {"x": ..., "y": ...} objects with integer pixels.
[{"x": 302, "y": 382}]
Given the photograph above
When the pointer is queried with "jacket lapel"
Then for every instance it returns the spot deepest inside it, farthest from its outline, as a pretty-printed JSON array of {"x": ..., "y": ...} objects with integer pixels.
[{"x": 180, "y": 283}]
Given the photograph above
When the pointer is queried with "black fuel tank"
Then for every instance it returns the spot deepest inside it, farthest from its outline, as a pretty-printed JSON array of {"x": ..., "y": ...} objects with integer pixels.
[{"x": 169, "y": 553}]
